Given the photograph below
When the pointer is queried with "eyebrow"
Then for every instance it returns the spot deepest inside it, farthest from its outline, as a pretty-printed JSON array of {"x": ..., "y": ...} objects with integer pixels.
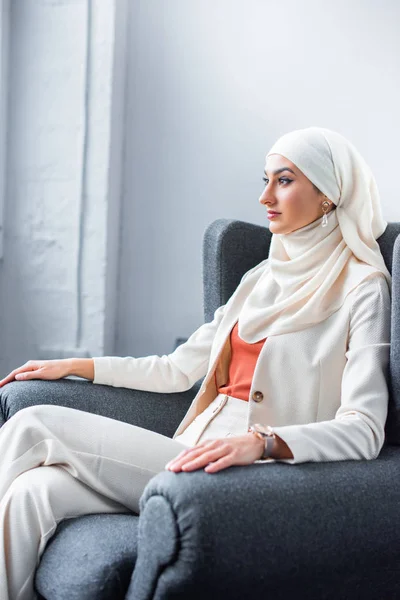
[{"x": 281, "y": 171}]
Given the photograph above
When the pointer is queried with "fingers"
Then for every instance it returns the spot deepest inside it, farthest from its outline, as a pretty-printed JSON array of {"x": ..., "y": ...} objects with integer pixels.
[
  {"x": 178, "y": 458},
  {"x": 36, "y": 374},
  {"x": 221, "y": 463},
  {"x": 199, "y": 456},
  {"x": 185, "y": 456},
  {"x": 7, "y": 379},
  {"x": 217, "y": 454},
  {"x": 15, "y": 374}
]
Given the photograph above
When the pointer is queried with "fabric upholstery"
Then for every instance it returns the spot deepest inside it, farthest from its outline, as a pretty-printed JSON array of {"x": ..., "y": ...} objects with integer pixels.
[
  {"x": 155, "y": 558},
  {"x": 393, "y": 419},
  {"x": 91, "y": 558},
  {"x": 157, "y": 412},
  {"x": 232, "y": 247},
  {"x": 317, "y": 530}
]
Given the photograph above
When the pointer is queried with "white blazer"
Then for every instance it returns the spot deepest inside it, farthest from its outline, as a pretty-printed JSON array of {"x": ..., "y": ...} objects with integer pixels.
[{"x": 323, "y": 389}]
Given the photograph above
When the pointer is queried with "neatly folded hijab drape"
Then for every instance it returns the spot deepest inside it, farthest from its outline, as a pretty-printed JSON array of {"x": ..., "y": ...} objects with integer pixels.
[{"x": 310, "y": 271}]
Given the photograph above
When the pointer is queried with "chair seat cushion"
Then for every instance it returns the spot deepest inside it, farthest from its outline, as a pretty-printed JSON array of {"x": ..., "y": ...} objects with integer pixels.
[{"x": 89, "y": 558}]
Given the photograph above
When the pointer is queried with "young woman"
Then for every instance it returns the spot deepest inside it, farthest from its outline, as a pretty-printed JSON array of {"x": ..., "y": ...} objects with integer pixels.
[{"x": 294, "y": 364}]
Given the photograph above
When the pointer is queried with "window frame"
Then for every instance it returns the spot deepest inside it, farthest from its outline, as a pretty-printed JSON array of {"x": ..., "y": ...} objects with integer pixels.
[{"x": 4, "y": 54}]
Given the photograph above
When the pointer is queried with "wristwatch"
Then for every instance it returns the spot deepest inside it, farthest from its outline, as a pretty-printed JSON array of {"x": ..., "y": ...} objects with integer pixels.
[{"x": 265, "y": 433}]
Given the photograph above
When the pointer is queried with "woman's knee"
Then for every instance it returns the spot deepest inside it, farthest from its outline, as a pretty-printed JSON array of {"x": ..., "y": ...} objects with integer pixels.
[
  {"x": 39, "y": 485},
  {"x": 27, "y": 507},
  {"x": 53, "y": 494},
  {"x": 27, "y": 492},
  {"x": 29, "y": 414}
]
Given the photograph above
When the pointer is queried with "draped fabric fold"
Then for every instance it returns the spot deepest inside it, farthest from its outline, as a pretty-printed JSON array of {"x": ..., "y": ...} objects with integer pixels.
[{"x": 310, "y": 271}]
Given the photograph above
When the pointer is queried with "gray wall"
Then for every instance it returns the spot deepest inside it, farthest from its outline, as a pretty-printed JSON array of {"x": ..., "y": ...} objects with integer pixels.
[
  {"x": 61, "y": 248},
  {"x": 211, "y": 85}
]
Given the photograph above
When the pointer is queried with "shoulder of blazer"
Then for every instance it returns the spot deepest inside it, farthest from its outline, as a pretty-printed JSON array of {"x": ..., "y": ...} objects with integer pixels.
[
  {"x": 374, "y": 283},
  {"x": 372, "y": 289}
]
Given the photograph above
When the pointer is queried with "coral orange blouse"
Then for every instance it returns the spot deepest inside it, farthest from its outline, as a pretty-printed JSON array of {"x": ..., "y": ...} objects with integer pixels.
[{"x": 241, "y": 369}]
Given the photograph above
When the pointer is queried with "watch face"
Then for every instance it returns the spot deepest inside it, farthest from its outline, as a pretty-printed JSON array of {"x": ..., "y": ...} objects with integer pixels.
[{"x": 264, "y": 429}]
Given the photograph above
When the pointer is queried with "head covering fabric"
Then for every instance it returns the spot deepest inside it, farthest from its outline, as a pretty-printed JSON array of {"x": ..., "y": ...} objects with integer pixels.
[{"x": 310, "y": 271}]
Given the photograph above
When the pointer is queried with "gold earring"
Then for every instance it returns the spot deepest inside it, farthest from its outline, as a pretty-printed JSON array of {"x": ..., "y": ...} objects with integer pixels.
[{"x": 325, "y": 207}]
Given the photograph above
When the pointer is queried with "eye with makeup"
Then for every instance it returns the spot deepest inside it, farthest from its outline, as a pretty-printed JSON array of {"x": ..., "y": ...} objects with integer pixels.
[{"x": 286, "y": 180}]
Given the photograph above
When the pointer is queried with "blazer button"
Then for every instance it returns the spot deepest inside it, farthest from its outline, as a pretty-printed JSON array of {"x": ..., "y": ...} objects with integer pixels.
[{"x": 258, "y": 396}]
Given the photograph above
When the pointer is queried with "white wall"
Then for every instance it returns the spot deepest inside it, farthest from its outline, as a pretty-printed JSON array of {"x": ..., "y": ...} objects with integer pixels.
[
  {"x": 211, "y": 85},
  {"x": 58, "y": 276}
]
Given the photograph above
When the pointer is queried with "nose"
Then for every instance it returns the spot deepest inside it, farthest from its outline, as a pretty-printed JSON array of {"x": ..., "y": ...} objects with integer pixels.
[{"x": 267, "y": 197}]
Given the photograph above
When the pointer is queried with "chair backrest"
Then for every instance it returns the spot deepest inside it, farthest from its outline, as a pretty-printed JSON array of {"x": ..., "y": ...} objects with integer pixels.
[
  {"x": 232, "y": 247},
  {"x": 386, "y": 242}
]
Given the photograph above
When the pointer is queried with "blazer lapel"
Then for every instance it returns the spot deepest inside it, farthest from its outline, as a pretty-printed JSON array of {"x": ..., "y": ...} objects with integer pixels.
[{"x": 219, "y": 356}]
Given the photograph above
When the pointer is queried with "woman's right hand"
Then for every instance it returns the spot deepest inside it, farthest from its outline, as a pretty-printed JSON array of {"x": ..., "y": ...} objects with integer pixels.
[{"x": 39, "y": 369}]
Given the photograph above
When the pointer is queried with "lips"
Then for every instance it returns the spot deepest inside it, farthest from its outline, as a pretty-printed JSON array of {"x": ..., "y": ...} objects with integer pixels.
[{"x": 271, "y": 213}]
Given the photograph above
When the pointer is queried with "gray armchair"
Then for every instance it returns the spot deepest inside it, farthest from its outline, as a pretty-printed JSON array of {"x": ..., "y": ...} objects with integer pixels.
[{"x": 317, "y": 530}]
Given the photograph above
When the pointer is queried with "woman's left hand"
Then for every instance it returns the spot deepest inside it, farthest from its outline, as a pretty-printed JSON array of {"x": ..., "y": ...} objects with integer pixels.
[{"x": 218, "y": 454}]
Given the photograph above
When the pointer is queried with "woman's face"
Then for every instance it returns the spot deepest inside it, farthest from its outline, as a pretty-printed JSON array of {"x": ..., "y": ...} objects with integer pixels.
[{"x": 289, "y": 193}]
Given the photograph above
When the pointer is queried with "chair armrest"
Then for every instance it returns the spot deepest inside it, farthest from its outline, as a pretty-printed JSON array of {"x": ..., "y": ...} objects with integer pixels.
[
  {"x": 292, "y": 530},
  {"x": 150, "y": 410}
]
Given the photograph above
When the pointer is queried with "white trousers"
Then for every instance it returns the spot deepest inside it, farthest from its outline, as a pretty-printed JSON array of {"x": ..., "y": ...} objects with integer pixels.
[{"x": 58, "y": 463}]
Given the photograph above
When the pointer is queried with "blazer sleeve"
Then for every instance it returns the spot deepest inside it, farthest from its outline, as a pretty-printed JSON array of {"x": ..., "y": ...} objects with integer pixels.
[
  {"x": 175, "y": 372},
  {"x": 357, "y": 431}
]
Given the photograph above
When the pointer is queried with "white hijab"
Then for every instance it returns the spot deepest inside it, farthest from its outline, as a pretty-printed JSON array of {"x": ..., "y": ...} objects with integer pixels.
[{"x": 310, "y": 271}]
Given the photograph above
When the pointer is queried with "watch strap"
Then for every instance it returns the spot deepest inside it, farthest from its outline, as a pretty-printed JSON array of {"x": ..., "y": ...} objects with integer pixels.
[
  {"x": 268, "y": 445},
  {"x": 267, "y": 437}
]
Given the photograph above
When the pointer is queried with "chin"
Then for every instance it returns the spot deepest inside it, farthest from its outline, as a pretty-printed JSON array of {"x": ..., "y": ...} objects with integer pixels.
[{"x": 278, "y": 228}]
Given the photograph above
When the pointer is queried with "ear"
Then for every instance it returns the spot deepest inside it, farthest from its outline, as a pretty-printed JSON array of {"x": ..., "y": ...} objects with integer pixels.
[{"x": 332, "y": 205}]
